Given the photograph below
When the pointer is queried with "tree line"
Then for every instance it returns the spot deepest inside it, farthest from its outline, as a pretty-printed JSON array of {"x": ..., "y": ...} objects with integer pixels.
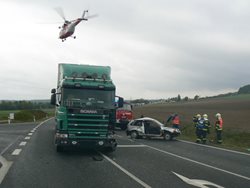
[{"x": 21, "y": 105}]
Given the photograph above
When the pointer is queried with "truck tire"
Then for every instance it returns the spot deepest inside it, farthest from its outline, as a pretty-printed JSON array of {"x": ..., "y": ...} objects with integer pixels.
[{"x": 111, "y": 148}]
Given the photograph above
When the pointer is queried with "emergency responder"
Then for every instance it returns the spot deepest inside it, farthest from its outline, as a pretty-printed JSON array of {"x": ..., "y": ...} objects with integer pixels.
[
  {"x": 175, "y": 121},
  {"x": 199, "y": 128},
  {"x": 205, "y": 129},
  {"x": 218, "y": 127},
  {"x": 196, "y": 119}
]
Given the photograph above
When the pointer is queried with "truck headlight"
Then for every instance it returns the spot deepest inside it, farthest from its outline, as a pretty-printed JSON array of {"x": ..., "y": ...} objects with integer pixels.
[
  {"x": 59, "y": 135},
  {"x": 100, "y": 143}
]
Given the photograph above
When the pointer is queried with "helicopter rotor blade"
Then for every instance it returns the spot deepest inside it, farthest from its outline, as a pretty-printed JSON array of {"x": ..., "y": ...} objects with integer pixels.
[
  {"x": 59, "y": 10},
  {"x": 91, "y": 16}
]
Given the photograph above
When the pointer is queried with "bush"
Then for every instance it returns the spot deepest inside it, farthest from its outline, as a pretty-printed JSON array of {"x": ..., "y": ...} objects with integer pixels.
[{"x": 28, "y": 115}]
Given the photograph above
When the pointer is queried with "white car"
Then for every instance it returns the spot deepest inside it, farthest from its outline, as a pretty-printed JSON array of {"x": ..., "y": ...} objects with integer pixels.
[{"x": 149, "y": 127}]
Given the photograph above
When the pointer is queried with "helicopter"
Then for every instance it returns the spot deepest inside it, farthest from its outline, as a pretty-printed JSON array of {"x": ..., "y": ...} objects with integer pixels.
[{"x": 68, "y": 27}]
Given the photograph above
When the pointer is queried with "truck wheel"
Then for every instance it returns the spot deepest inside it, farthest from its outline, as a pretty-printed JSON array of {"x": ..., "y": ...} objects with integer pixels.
[
  {"x": 59, "y": 149},
  {"x": 134, "y": 135},
  {"x": 167, "y": 136},
  {"x": 111, "y": 148}
]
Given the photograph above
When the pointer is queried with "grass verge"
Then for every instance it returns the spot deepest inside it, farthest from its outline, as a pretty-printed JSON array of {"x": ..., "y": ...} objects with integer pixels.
[
  {"x": 232, "y": 139},
  {"x": 26, "y": 115}
]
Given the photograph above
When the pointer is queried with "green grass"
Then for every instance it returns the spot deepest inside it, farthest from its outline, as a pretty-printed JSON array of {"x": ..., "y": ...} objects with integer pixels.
[
  {"x": 240, "y": 96},
  {"x": 231, "y": 139},
  {"x": 234, "y": 109},
  {"x": 26, "y": 115},
  {"x": 4, "y": 114}
]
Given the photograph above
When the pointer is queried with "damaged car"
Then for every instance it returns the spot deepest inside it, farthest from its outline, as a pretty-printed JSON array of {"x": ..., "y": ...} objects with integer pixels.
[{"x": 148, "y": 127}]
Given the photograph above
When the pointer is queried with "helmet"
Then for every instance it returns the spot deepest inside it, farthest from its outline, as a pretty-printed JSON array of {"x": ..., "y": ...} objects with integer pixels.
[
  {"x": 198, "y": 115},
  {"x": 218, "y": 115},
  {"x": 205, "y": 116}
]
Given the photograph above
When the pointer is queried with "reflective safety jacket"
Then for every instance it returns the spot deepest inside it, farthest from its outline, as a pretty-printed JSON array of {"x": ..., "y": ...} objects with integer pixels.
[
  {"x": 176, "y": 120},
  {"x": 196, "y": 120},
  {"x": 206, "y": 125},
  {"x": 219, "y": 124}
]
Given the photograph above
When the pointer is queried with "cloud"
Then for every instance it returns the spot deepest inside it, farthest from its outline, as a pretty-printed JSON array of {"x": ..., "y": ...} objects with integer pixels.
[{"x": 155, "y": 49}]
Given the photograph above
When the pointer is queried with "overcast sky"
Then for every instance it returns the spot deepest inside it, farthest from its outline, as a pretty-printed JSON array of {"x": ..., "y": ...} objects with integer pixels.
[{"x": 155, "y": 48}]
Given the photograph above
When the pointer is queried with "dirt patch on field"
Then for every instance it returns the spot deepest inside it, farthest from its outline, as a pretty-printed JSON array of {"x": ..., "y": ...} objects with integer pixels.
[{"x": 235, "y": 112}]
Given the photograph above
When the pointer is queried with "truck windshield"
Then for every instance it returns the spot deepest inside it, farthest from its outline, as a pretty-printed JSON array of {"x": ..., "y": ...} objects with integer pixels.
[
  {"x": 88, "y": 98},
  {"x": 126, "y": 107}
]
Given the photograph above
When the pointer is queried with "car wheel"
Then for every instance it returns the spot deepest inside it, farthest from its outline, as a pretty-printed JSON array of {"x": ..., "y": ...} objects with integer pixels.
[
  {"x": 148, "y": 137},
  {"x": 167, "y": 136},
  {"x": 134, "y": 135}
]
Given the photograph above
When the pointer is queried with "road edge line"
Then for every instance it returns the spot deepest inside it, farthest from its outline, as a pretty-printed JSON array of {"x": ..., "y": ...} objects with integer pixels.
[
  {"x": 5, "y": 168},
  {"x": 200, "y": 163},
  {"x": 223, "y": 149},
  {"x": 7, "y": 164},
  {"x": 126, "y": 172}
]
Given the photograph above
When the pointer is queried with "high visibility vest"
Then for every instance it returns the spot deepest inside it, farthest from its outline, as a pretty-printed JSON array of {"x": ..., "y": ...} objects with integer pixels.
[
  {"x": 176, "y": 120},
  {"x": 219, "y": 124},
  {"x": 206, "y": 125}
]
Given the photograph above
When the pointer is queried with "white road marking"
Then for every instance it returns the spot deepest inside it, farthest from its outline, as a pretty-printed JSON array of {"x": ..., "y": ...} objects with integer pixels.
[
  {"x": 197, "y": 182},
  {"x": 130, "y": 146},
  {"x": 22, "y": 143},
  {"x": 32, "y": 131},
  {"x": 42, "y": 123},
  {"x": 228, "y": 150},
  {"x": 16, "y": 152},
  {"x": 30, "y": 134},
  {"x": 5, "y": 149},
  {"x": 200, "y": 163},
  {"x": 5, "y": 167},
  {"x": 27, "y": 138},
  {"x": 119, "y": 136},
  {"x": 131, "y": 140},
  {"x": 126, "y": 172},
  {"x": 7, "y": 164}
]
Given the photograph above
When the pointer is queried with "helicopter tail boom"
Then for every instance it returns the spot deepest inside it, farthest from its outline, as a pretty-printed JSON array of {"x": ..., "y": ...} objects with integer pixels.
[{"x": 83, "y": 15}]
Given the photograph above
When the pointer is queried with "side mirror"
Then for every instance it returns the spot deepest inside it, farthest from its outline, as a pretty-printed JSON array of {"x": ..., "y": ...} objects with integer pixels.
[
  {"x": 53, "y": 99},
  {"x": 120, "y": 102},
  {"x": 53, "y": 90}
]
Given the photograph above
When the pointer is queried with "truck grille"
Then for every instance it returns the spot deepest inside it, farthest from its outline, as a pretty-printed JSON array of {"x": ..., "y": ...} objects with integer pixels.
[{"x": 89, "y": 126}]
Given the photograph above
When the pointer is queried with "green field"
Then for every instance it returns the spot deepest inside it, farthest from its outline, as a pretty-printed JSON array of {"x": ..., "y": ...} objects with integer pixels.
[
  {"x": 26, "y": 115},
  {"x": 235, "y": 112}
]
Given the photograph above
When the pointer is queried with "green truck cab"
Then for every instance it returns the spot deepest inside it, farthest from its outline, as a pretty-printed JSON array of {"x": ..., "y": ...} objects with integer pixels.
[{"x": 86, "y": 105}]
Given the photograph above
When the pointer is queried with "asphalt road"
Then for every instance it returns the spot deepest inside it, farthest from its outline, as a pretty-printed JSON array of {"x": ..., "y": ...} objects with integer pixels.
[{"x": 28, "y": 159}]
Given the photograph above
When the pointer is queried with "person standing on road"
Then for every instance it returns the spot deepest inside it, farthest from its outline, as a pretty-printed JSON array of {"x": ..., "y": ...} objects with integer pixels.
[
  {"x": 205, "y": 129},
  {"x": 175, "y": 121},
  {"x": 218, "y": 127}
]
